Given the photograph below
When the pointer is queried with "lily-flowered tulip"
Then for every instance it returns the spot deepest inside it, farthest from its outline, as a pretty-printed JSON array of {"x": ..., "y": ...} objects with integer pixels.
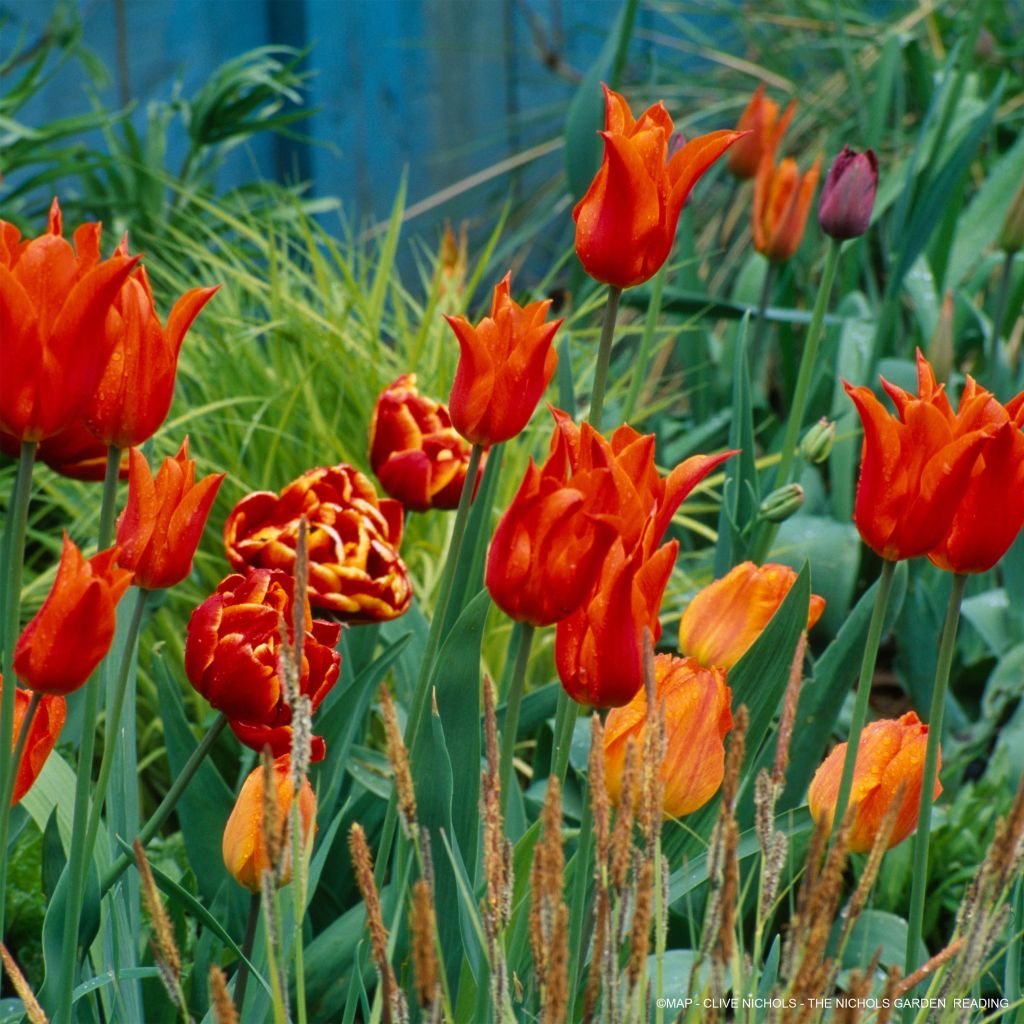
[
  {"x": 915, "y": 466},
  {"x": 135, "y": 392},
  {"x": 72, "y": 632},
  {"x": 764, "y": 130},
  {"x": 232, "y": 654},
  {"x": 626, "y": 222},
  {"x": 160, "y": 527},
  {"x": 728, "y": 615},
  {"x": 420, "y": 459},
  {"x": 75, "y": 452},
  {"x": 782, "y": 199},
  {"x": 506, "y": 362},
  {"x": 42, "y": 735},
  {"x": 54, "y": 301},
  {"x": 890, "y": 756},
  {"x": 244, "y": 845},
  {"x": 848, "y": 195},
  {"x": 697, "y": 720},
  {"x": 355, "y": 571}
]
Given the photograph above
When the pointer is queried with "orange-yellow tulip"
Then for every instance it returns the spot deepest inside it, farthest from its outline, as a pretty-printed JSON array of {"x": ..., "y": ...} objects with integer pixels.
[
  {"x": 782, "y": 200},
  {"x": 764, "y": 130}
]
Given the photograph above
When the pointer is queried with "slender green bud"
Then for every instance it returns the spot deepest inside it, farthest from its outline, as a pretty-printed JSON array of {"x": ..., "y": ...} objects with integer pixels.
[
  {"x": 817, "y": 443},
  {"x": 782, "y": 503}
]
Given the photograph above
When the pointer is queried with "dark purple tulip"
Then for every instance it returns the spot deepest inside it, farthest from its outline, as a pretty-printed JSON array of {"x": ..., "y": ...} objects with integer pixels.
[{"x": 848, "y": 195}]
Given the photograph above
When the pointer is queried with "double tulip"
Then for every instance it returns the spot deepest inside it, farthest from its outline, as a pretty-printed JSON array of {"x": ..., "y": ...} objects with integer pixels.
[
  {"x": 42, "y": 735},
  {"x": 763, "y": 130},
  {"x": 782, "y": 200}
]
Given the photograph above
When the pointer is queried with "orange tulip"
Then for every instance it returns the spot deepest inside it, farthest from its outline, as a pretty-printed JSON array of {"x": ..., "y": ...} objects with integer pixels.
[
  {"x": 54, "y": 300},
  {"x": 74, "y": 452},
  {"x": 626, "y": 222},
  {"x": 915, "y": 466},
  {"x": 764, "y": 130},
  {"x": 244, "y": 845},
  {"x": 782, "y": 199},
  {"x": 135, "y": 392},
  {"x": 697, "y": 720},
  {"x": 72, "y": 632},
  {"x": 419, "y": 457},
  {"x": 890, "y": 756},
  {"x": 506, "y": 363},
  {"x": 42, "y": 735},
  {"x": 355, "y": 571},
  {"x": 159, "y": 530},
  {"x": 728, "y": 615}
]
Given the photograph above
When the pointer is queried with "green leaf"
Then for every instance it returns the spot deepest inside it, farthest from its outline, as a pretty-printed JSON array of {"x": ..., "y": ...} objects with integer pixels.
[{"x": 877, "y": 930}]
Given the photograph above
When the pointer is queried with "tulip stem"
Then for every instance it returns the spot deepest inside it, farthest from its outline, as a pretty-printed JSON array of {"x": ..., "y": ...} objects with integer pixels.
[
  {"x": 242, "y": 978},
  {"x": 513, "y": 702},
  {"x": 161, "y": 814},
  {"x": 646, "y": 340},
  {"x": 767, "y": 287},
  {"x": 919, "y": 883},
  {"x": 867, "y": 673},
  {"x": 565, "y": 724},
  {"x": 604, "y": 357},
  {"x": 14, "y": 550}
]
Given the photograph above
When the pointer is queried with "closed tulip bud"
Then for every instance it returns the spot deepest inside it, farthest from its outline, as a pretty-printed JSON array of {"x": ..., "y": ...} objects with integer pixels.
[
  {"x": 697, "y": 720},
  {"x": 160, "y": 527},
  {"x": 816, "y": 445},
  {"x": 728, "y": 615},
  {"x": 505, "y": 364},
  {"x": 782, "y": 503},
  {"x": 74, "y": 452},
  {"x": 244, "y": 845},
  {"x": 42, "y": 735},
  {"x": 355, "y": 571},
  {"x": 782, "y": 199},
  {"x": 848, "y": 195},
  {"x": 890, "y": 764},
  {"x": 763, "y": 130},
  {"x": 1011, "y": 237},
  {"x": 72, "y": 632}
]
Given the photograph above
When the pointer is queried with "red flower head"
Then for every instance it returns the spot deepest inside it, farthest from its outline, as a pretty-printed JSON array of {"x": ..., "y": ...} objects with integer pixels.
[
  {"x": 355, "y": 571},
  {"x": 42, "y": 735},
  {"x": 160, "y": 527},
  {"x": 137, "y": 386},
  {"x": 505, "y": 364},
  {"x": 54, "y": 301},
  {"x": 75, "y": 453},
  {"x": 763, "y": 130},
  {"x": 782, "y": 199},
  {"x": 626, "y": 222},
  {"x": 72, "y": 632},
  {"x": 418, "y": 456},
  {"x": 232, "y": 653}
]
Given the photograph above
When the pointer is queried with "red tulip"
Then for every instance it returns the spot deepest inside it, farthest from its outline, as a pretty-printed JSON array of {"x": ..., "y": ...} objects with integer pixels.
[
  {"x": 74, "y": 452},
  {"x": 42, "y": 735}
]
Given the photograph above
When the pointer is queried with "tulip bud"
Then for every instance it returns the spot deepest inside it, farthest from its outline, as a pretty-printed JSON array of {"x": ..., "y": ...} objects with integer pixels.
[
  {"x": 848, "y": 195},
  {"x": 782, "y": 503},
  {"x": 817, "y": 443},
  {"x": 1011, "y": 238}
]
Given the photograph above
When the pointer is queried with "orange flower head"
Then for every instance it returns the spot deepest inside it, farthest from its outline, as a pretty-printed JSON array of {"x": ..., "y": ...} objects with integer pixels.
[
  {"x": 764, "y": 130},
  {"x": 54, "y": 301},
  {"x": 135, "y": 392},
  {"x": 419, "y": 457},
  {"x": 505, "y": 364},
  {"x": 42, "y": 735},
  {"x": 915, "y": 466},
  {"x": 232, "y": 654},
  {"x": 355, "y": 571},
  {"x": 626, "y": 222},
  {"x": 697, "y": 720},
  {"x": 74, "y": 452},
  {"x": 72, "y": 632},
  {"x": 728, "y": 615},
  {"x": 890, "y": 756},
  {"x": 245, "y": 837},
  {"x": 160, "y": 527},
  {"x": 782, "y": 199}
]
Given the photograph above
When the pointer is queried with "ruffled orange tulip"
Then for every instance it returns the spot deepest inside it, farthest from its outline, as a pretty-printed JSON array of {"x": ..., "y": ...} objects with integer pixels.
[
  {"x": 135, "y": 392},
  {"x": 54, "y": 300},
  {"x": 728, "y": 615},
  {"x": 244, "y": 845},
  {"x": 626, "y": 222},
  {"x": 764, "y": 130},
  {"x": 419, "y": 457},
  {"x": 355, "y": 571},
  {"x": 72, "y": 632},
  {"x": 74, "y": 452},
  {"x": 160, "y": 527},
  {"x": 890, "y": 755},
  {"x": 506, "y": 362},
  {"x": 697, "y": 720},
  {"x": 782, "y": 199},
  {"x": 42, "y": 735}
]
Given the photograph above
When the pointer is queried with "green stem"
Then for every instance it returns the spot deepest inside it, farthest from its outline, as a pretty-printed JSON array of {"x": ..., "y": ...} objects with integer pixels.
[
  {"x": 604, "y": 357},
  {"x": 242, "y": 978},
  {"x": 639, "y": 372},
  {"x": 867, "y": 673},
  {"x": 513, "y": 702},
  {"x": 767, "y": 287},
  {"x": 919, "y": 883},
  {"x": 566, "y": 713},
  {"x": 161, "y": 814}
]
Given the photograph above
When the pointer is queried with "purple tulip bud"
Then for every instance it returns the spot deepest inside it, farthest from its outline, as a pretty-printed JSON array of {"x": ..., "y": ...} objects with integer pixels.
[{"x": 848, "y": 195}]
